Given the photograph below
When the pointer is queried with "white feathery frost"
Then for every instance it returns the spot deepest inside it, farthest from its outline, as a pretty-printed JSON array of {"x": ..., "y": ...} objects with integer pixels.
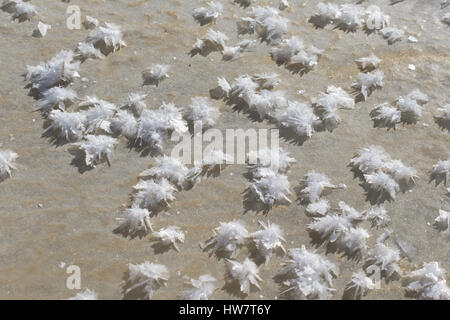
[
  {"x": 326, "y": 106},
  {"x": 98, "y": 114},
  {"x": 326, "y": 13},
  {"x": 314, "y": 185},
  {"x": 385, "y": 116},
  {"x": 272, "y": 189},
  {"x": 55, "y": 98},
  {"x": 90, "y": 23},
  {"x": 318, "y": 208},
  {"x": 169, "y": 236},
  {"x": 268, "y": 240},
  {"x": 350, "y": 17},
  {"x": 107, "y": 38},
  {"x": 21, "y": 10},
  {"x": 445, "y": 4},
  {"x": 410, "y": 106},
  {"x": 307, "y": 275},
  {"x": 135, "y": 222},
  {"x": 222, "y": 90},
  {"x": 207, "y": 15},
  {"x": 124, "y": 123},
  {"x": 442, "y": 222},
  {"x": 266, "y": 22},
  {"x": 368, "y": 82},
  {"x": 168, "y": 168},
  {"x": 441, "y": 172},
  {"x": 401, "y": 173},
  {"x": 384, "y": 176},
  {"x": 69, "y": 126},
  {"x": 7, "y": 163},
  {"x": 246, "y": 273},
  {"x": 60, "y": 70},
  {"x": 359, "y": 285},
  {"x": 341, "y": 231},
  {"x": 369, "y": 160},
  {"x": 147, "y": 276},
  {"x": 153, "y": 194},
  {"x": 212, "y": 41},
  {"x": 428, "y": 283},
  {"x": 267, "y": 80},
  {"x": 211, "y": 164},
  {"x": 392, "y": 34},
  {"x": 276, "y": 159},
  {"x": 203, "y": 288},
  {"x": 201, "y": 111},
  {"x": 135, "y": 102},
  {"x": 156, "y": 126},
  {"x": 155, "y": 74},
  {"x": 383, "y": 184},
  {"x": 87, "y": 294},
  {"x": 376, "y": 19},
  {"x": 86, "y": 50},
  {"x": 227, "y": 239},
  {"x": 298, "y": 117},
  {"x": 386, "y": 259},
  {"x": 378, "y": 217},
  {"x": 369, "y": 63},
  {"x": 97, "y": 148}
]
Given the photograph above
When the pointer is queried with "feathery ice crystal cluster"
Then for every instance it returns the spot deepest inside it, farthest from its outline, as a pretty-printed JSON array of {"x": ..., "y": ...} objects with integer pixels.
[
  {"x": 271, "y": 189},
  {"x": 340, "y": 231},
  {"x": 203, "y": 288},
  {"x": 107, "y": 38},
  {"x": 307, "y": 275},
  {"x": 385, "y": 258},
  {"x": 367, "y": 64},
  {"x": 97, "y": 149},
  {"x": 87, "y": 294},
  {"x": 245, "y": 273},
  {"x": 7, "y": 163},
  {"x": 207, "y": 15},
  {"x": 314, "y": 185},
  {"x": 169, "y": 237},
  {"x": 147, "y": 277},
  {"x": 263, "y": 161},
  {"x": 156, "y": 125},
  {"x": 441, "y": 172},
  {"x": 155, "y": 74},
  {"x": 428, "y": 283},
  {"x": 382, "y": 175},
  {"x": 368, "y": 82},
  {"x": 201, "y": 112},
  {"x": 268, "y": 240},
  {"x": 266, "y": 22},
  {"x": 359, "y": 286},
  {"x": 227, "y": 239},
  {"x": 21, "y": 10},
  {"x": 168, "y": 168},
  {"x": 60, "y": 70},
  {"x": 326, "y": 107},
  {"x": 410, "y": 106},
  {"x": 293, "y": 54},
  {"x": 135, "y": 222}
]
